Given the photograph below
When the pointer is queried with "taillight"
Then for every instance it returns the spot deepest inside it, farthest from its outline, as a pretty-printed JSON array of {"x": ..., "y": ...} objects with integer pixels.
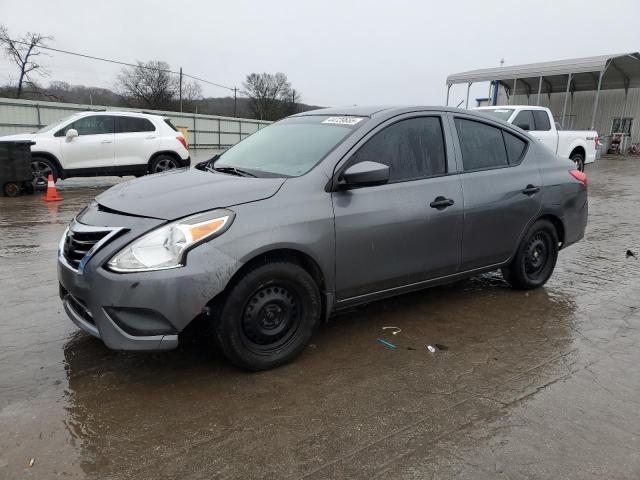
[
  {"x": 598, "y": 141},
  {"x": 183, "y": 142},
  {"x": 580, "y": 176}
]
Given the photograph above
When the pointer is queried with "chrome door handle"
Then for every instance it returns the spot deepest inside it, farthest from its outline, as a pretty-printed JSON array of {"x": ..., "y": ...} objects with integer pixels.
[
  {"x": 150, "y": 137},
  {"x": 105, "y": 141}
]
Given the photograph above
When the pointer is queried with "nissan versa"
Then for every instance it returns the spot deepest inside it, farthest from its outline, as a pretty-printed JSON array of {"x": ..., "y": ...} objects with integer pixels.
[{"x": 317, "y": 212}]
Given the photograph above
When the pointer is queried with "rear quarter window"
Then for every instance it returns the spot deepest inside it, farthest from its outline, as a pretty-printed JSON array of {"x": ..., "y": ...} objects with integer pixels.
[{"x": 171, "y": 125}]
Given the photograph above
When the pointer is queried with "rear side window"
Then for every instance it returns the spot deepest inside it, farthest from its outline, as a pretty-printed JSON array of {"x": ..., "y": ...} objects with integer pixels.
[
  {"x": 93, "y": 125},
  {"x": 515, "y": 147},
  {"x": 524, "y": 120},
  {"x": 133, "y": 124},
  {"x": 482, "y": 145},
  {"x": 542, "y": 121},
  {"x": 412, "y": 148},
  {"x": 168, "y": 122}
]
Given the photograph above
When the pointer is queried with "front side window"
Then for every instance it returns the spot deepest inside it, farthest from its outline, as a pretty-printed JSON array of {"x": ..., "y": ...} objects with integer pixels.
[
  {"x": 133, "y": 124},
  {"x": 524, "y": 120},
  {"x": 290, "y": 147},
  {"x": 94, "y": 125},
  {"x": 542, "y": 121},
  {"x": 412, "y": 148}
]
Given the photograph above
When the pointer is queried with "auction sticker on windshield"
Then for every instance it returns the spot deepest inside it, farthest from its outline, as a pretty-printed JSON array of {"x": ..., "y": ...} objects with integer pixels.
[{"x": 343, "y": 120}]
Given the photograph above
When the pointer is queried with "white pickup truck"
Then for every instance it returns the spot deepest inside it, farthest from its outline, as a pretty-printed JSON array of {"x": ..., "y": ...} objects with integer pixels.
[{"x": 578, "y": 145}]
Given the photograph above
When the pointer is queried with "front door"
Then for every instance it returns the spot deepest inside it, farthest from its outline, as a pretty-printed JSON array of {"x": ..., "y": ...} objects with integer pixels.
[
  {"x": 93, "y": 147},
  {"x": 502, "y": 191},
  {"x": 389, "y": 236}
]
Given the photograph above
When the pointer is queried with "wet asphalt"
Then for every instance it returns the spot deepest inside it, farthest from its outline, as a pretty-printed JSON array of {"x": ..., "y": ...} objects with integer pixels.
[{"x": 543, "y": 384}]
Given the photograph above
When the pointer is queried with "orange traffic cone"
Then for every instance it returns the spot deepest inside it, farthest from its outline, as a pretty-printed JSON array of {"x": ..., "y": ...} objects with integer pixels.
[{"x": 52, "y": 193}]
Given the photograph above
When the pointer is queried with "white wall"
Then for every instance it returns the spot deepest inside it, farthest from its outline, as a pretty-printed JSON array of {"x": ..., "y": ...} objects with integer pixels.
[{"x": 204, "y": 131}]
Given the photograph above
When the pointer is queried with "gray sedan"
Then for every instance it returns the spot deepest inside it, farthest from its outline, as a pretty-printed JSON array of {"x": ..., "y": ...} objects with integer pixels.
[{"x": 315, "y": 213}]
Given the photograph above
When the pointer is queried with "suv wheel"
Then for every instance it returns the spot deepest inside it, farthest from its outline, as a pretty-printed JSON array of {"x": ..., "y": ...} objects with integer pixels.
[
  {"x": 578, "y": 159},
  {"x": 269, "y": 316},
  {"x": 162, "y": 163},
  {"x": 41, "y": 168},
  {"x": 535, "y": 259}
]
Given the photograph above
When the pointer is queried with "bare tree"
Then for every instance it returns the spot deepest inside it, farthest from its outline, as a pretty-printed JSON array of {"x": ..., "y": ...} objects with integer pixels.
[
  {"x": 267, "y": 94},
  {"x": 148, "y": 85},
  {"x": 23, "y": 52},
  {"x": 292, "y": 103}
]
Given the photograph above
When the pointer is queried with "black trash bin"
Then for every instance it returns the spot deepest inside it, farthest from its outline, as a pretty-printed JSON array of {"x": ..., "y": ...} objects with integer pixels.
[{"x": 15, "y": 167}]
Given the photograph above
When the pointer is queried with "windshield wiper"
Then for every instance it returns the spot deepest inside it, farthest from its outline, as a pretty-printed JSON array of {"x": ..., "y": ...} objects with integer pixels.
[{"x": 234, "y": 171}]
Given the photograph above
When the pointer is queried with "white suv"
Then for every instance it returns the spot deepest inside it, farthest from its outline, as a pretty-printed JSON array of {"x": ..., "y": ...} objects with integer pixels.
[{"x": 106, "y": 143}]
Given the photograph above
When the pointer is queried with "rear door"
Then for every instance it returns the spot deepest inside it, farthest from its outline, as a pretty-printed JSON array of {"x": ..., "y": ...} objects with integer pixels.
[
  {"x": 542, "y": 130},
  {"x": 93, "y": 147},
  {"x": 501, "y": 187},
  {"x": 388, "y": 236},
  {"x": 136, "y": 140}
]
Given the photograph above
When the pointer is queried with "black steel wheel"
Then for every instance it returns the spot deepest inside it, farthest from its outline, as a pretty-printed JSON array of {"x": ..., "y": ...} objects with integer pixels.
[
  {"x": 268, "y": 316},
  {"x": 41, "y": 168},
  {"x": 162, "y": 163},
  {"x": 535, "y": 258},
  {"x": 578, "y": 159}
]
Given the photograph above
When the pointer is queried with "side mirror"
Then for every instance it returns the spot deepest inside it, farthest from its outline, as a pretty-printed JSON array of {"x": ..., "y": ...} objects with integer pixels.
[
  {"x": 524, "y": 126},
  {"x": 72, "y": 133},
  {"x": 365, "y": 174}
]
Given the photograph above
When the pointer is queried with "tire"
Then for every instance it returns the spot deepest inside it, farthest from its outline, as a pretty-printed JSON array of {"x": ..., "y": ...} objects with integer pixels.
[
  {"x": 578, "y": 159},
  {"x": 162, "y": 163},
  {"x": 41, "y": 167},
  {"x": 268, "y": 316},
  {"x": 535, "y": 258},
  {"x": 11, "y": 189}
]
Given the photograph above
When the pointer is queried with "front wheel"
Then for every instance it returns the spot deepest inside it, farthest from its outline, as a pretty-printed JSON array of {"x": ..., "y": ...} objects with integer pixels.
[
  {"x": 578, "y": 159},
  {"x": 41, "y": 168},
  {"x": 535, "y": 259},
  {"x": 269, "y": 316}
]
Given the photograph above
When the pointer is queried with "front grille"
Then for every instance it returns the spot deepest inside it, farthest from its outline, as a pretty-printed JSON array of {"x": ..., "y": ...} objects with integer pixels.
[
  {"x": 77, "y": 245},
  {"x": 80, "y": 308}
]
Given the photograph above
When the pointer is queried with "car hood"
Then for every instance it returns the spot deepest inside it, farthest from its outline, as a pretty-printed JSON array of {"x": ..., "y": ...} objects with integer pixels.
[
  {"x": 178, "y": 193},
  {"x": 21, "y": 136}
]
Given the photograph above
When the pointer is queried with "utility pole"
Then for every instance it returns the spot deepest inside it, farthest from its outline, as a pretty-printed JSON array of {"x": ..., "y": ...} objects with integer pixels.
[
  {"x": 180, "y": 89},
  {"x": 235, "y": 101}
]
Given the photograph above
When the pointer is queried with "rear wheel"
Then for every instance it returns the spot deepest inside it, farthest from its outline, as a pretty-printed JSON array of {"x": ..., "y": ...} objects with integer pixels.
[
  {"x": 41, "y": 168},
  {"x": 535, "y": 259},
  {"x": 578, "y": 159},
  {"x": 162, "y": 163},
  {"x": 269, "y": 316}
]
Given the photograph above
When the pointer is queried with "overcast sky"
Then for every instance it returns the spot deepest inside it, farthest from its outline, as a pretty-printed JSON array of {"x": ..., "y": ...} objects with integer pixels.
[{"x": 336, "y": 52}]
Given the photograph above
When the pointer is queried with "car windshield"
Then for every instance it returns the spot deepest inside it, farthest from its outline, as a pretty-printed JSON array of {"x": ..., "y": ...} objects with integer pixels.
[
  {"x": 56, "y": 124},
  {"x": 499, "y": 113},
  {"x": 290, "y": 147}
]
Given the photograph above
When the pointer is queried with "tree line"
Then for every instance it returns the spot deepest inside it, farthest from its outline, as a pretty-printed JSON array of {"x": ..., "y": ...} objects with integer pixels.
[{"x": 147, "y": 85}]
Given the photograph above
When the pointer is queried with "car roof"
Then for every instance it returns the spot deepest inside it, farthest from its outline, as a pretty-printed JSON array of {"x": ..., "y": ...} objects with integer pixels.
[
  {"x": 384, "y": 111},
  {"x": 118, "y": 113}
]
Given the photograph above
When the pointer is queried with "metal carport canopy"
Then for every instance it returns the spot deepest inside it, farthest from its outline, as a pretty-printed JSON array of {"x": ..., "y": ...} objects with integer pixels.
[
  {"x": 617, "y": 71},
  {"x": 622, "y": 71}
]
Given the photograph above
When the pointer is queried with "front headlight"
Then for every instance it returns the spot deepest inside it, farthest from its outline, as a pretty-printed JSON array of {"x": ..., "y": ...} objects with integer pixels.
[{"x": 166, "y": 246}]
